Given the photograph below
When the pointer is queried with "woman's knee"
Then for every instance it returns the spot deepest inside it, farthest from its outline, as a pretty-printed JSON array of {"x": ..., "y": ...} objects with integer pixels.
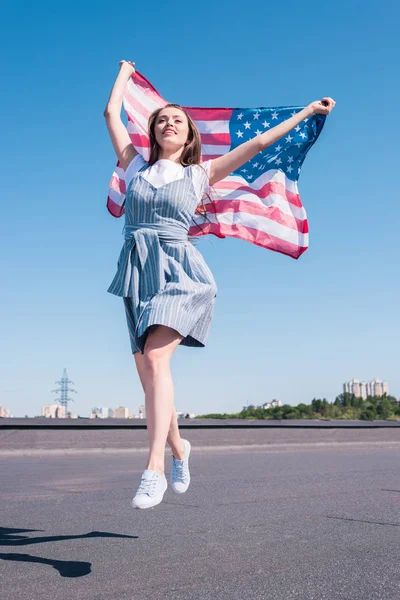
[{"x": 153, "y": 358}]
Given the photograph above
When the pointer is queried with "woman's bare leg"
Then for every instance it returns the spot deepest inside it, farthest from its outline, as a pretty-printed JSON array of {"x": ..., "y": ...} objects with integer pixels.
[
  {"x": 159, "y": 390},
  {"x": 174, "y": 439}
]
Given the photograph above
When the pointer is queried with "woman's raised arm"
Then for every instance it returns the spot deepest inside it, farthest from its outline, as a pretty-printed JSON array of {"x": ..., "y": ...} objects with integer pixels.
[
  {"x": 119, "y": 136},
  {"x": 224, "y": 165}
]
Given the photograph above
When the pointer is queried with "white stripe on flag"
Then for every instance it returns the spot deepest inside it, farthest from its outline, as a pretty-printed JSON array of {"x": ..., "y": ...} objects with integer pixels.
[
  {"x": 116, "y": 197},
  {"x": 139, "y": 120},
  {"x": 212, "y": 150},
  {"x": 146, "y": 97},
  {"x": 213, "y": 126},
  {"x": 133, "y": 127},
  {"x": 120, "y": 172},
  {"x": 262, "y": 224}
]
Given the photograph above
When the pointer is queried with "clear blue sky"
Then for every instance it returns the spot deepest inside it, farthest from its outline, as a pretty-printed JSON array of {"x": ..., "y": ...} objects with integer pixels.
[{"x": 285, "y": 329}]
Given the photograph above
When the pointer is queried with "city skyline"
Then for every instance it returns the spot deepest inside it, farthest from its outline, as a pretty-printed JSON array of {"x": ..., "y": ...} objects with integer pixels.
[{"x": 362, "y": 389}]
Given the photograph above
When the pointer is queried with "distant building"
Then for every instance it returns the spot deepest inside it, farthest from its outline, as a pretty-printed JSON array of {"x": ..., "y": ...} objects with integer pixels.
[
  {"x": 100, "y": 412},
  {"x": 72, "y": 415},
  {"x": 362, "y": 389},
  {"x": 121, "y": 413},
  {"x": 142, "y": 411},
  {"x": 265, "y": 405},
  {"x": 5, "y": 412},
  {"x": 377, "y": 387},
  {"x": 271, "y": 404},
  {"x": 185, "y": 415},
  {"x": 53, "y": 411}
]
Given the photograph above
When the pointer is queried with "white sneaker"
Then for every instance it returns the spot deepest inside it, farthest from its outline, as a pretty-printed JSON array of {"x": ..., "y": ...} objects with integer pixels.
[
  {"x": 151, "y": 489},
  {"x": 180, "y": 475}
]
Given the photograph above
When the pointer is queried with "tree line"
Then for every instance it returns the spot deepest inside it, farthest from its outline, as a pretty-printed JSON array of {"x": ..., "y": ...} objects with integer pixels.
[{"x": 345, "y": 406}]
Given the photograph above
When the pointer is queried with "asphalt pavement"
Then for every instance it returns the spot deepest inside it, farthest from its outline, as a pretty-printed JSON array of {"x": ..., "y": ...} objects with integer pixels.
[{"x": 283, "y": 524}]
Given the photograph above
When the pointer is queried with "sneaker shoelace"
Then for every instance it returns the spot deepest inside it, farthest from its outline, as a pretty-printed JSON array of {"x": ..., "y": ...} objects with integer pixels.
[
  {"x": 147, "y": 486},
  {"x": 179, "y": 468}
]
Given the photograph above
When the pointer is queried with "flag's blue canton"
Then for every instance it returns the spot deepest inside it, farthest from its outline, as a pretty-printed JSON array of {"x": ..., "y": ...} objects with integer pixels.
[{"x": 288, "y": 153}]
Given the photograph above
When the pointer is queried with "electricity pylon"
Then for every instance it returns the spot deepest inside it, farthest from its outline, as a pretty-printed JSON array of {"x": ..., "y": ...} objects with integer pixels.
[{"x": 64, "y": 389}]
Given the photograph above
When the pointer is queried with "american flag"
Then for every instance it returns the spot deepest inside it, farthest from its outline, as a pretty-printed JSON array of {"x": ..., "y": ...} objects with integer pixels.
[{"x": 259, "y": 202}]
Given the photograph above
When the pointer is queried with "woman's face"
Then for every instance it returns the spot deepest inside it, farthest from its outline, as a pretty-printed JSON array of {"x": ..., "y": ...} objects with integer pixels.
[{"x": 171, "y": 128}]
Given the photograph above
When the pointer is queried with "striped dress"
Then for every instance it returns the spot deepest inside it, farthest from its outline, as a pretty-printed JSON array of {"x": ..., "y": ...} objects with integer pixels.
[{"x": 161, "y": 275}]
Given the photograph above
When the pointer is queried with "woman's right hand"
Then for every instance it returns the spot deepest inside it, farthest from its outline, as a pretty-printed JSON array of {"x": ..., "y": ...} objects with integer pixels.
[{"x": 128, "y": 66}]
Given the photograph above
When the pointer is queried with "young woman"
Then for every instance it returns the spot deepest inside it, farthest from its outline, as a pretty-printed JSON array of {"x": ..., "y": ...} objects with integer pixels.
[{"x": 167, "y": 288}]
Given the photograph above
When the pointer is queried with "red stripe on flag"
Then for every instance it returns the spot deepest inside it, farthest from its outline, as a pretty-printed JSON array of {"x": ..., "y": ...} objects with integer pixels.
[
  {"x": 205, "y": 157},
  {"x": 142, "y": 141},
  {"x": 216, "y": 138},
  {"x": 271, "y": 187},
  {"x": 249, "y": 234},
  {"x": 138, "y": 78},
  {"x": 118, "y": 184},
  {"x": 138, "y": 106},
  {"x": 269, "y": 212},
  {"x": 209, "y": 114},
  {"x": 114, "y": 209}
]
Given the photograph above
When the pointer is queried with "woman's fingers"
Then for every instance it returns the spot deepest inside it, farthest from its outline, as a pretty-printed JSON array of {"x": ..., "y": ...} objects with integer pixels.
[
  {"x": 327, "y": 101},
  {"x": 128, "y": 62},
  {"x": 323, "y": 106}
]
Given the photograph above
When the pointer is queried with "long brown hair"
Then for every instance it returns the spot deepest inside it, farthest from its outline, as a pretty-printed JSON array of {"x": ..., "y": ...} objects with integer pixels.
[{"x": 190, "y": 155}]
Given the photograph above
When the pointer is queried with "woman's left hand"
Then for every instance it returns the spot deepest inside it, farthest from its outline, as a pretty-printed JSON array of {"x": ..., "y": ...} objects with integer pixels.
[{"x": 322, "y": 107}]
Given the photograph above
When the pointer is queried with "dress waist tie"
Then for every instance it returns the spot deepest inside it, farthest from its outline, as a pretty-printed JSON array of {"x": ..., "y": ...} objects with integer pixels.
[{"x": 145, "y": 237}]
